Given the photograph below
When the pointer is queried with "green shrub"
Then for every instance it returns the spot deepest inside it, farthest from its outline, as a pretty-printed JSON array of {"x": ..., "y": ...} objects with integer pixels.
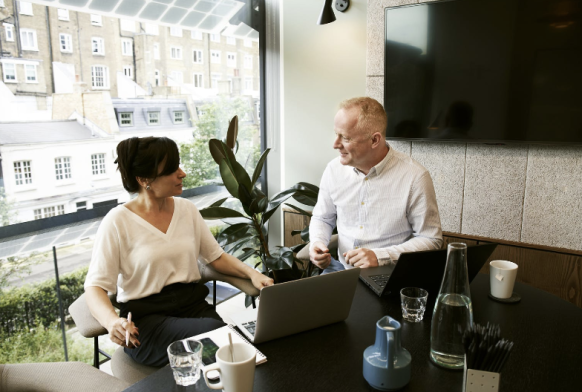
[{"x": 34, "y": 306}]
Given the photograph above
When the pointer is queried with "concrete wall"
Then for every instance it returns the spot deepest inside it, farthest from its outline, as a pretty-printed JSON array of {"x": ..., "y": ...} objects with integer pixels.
[{"x": 521, "y": 193}]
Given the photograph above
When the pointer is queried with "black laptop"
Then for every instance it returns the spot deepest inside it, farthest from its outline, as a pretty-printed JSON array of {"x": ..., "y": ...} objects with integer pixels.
[{"x": 423, "y": 269}]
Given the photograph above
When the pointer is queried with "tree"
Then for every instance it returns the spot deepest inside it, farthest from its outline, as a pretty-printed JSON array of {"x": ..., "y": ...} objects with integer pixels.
[
  {"x": 7, "y": 211},
  {"x": 212, "y": 122}
]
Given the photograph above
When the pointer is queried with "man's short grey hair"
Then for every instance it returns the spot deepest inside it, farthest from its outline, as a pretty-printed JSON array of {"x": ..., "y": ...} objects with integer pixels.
[{"x": 371, "y": 118}]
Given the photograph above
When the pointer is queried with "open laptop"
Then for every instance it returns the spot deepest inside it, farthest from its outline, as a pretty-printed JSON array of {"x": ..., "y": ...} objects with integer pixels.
[
  {"x": 423, "y": 269},
  {"x": 300, "y": 305}
]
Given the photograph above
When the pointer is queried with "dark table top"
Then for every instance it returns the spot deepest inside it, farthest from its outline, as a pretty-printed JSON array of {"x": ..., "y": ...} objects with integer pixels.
[{"x": 547, "y": 355}]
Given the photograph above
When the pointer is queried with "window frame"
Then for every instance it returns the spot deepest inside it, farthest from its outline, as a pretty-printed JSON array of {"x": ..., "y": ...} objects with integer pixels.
[
  {"x": 152, "y": 29},
  {"x": 34, "y": 47},
  {"x": 197, "y": 35},
  {"x": 9, "y": 32},
  {"x": 231, "y": 63},
  {"x": 96, "y": 20},
  {"x": 70, "y": 42},
  {"x": 197, "y": 54},
  {"x": 215, "y": 38},
  {"x": 182, "y": 112},
  {"x": 63, "y": 14},
  {"x": 24, "y": 180},
  {"x": 149, "y": 118},
  {"x": 179, "y": 78},
  {"x": 127, "y": 25},
  {"x": 198, "y": 77},
  {"x": 156, "y": 49},
  {"x": 213, "y": 57},
  {"x": 98, "y": 165},
  {"x": 128, "y": 68},
  {"x": 176, "y": 31},
  {"x": 26, "y": 69},
  {"x": 66, "y": 172},
  {"x": 248, "y": 61},
  {"x": 28, "y": 9},
  {"x": 125, "y": 43},
  {"x": 100, "y": 46},
  {"x": 4, "y": 73},
  {"x": 105, "y": 76},
  {"x": 177, "y": 50}
]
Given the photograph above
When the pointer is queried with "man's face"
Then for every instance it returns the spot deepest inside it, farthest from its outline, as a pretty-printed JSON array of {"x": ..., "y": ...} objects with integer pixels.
[{"x": 353, "y": 145}]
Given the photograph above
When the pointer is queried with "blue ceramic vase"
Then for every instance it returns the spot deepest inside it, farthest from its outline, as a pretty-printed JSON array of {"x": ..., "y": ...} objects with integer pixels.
[{"x": 387, "y": 363}]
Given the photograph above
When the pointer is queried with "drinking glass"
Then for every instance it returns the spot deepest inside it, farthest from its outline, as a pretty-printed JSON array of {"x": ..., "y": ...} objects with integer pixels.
[
  {"x": 185, "y": 360},
  {"x": 413, "y": 302}
]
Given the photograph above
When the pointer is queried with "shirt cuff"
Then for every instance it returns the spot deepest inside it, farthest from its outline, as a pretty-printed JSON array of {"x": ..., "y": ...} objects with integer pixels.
[{"x": 382, "y": 256}]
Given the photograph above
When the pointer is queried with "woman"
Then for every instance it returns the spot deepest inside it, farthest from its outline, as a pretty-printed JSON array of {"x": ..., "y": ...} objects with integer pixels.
[{"x": 147, "y": 250}]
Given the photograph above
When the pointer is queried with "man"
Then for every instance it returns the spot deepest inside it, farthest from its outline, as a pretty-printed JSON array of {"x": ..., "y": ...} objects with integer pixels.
[{"x": 382, "y": 200}]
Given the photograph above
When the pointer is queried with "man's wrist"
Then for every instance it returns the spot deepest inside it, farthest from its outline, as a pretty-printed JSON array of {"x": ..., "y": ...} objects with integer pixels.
[{"x": 382, "y": 256}]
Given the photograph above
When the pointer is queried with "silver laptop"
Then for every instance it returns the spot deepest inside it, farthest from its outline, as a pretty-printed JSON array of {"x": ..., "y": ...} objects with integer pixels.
[{"x": 288, "y": 308}]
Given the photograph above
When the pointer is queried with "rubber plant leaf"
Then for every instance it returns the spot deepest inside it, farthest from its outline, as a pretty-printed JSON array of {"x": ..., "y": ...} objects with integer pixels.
[
  {"x": 232, "y": 133},
  {"x": 259, "y": 167},
  {"x": 220, "y": 213}
]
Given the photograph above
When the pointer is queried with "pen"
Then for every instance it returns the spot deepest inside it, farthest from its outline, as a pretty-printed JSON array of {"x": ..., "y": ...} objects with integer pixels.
[{"x": 127, "y": 330}]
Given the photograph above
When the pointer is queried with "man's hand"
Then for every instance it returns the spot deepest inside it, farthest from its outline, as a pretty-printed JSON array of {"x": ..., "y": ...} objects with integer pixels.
[
  {"x": 259, "y": 280},
  {"x": 117, "y": 330},
  {"x": 362, "y": 258},
  {"x": 319, "y": 255}
]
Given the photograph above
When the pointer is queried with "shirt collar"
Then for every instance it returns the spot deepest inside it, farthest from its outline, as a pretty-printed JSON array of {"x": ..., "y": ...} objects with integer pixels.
[{"x": 376, "y": 170}]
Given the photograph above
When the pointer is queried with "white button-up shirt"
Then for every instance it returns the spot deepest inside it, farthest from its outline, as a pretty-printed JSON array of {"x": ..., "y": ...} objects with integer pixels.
[{"x": 390, "y": 210}]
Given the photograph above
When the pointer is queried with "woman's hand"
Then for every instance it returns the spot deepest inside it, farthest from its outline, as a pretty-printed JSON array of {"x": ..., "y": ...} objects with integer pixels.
[
  {"x": 117, "y": 332},
  {"x": 259, "y": 280}
]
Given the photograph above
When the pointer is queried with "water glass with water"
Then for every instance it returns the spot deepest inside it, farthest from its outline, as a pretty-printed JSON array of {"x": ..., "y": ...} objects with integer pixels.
[
  {"x": 186, "y": 361},
  {"x": 413, "y": 301}
]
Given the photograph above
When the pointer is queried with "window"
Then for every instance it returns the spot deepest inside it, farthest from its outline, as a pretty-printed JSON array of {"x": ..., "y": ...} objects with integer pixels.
[
  {"x": 2, "y": 3},
  {"x": 125, "y": 120},
  {"x": 98, "y": 45},
  {"x": 248, "y": 62},
  {"x": 248, "y": 83},
  {"x": 81, "y": 205},
  {"x": 248, "y": 43},
  {"x": 153, "y": 118},
  {"x": 9, "y": 70},
  {"x": 9, "y": 32},
  {"x": 214, "y": 80},
  {"x": 63, "y": 168},
  {"x": 215, "y": 56},
  {"x": 179, "y": 117},
  {"x": 197, "y": 80},
  {"x": 176, "y": 53},
  {"x": 100, "y": 77},
  {"x": 98, "y": 161},
  {"x": 175, "y": 31},
  {"x": 197, "y": 56},
  {"x": 66, "y": 41},
  {"x": 47, "y": 212},
  {"x": 231, "y": 59},
  {"x": 157, "y": 77},
  {"x": 231, "y": 40},
  {"x": 28, "y": 39},
  {"x": 152, "y": 29},
  {"x": 22, "y": 172},
  {"x": 126, "y": 47},
  {"x": 156, "y": 51},
  {"x": 30, "y": 73},
  {"x": 127, "y": 71},
  {"x": 195, "y": 34},
  {"x": 26, "y": 8},
  {"x": 96, "y": 20},
  {"x": 63, "y": 14},
  {"x": 127, "y": 25},
  {"x": 177, "y": 76},
  {"x": 215, "y": 37}
]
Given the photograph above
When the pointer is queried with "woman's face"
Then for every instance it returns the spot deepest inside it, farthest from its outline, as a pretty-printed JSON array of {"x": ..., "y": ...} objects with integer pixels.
[{"x": 169, "y": 185}]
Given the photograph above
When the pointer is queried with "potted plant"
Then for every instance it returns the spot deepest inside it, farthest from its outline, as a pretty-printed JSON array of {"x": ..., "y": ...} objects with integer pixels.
[{"x": 247, "y": 233}]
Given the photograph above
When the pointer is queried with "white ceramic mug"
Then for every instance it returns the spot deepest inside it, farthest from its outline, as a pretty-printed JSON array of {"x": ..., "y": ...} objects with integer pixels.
[
  {"x": 502, "y": 275},
  {"x": 237, "y": 376}
]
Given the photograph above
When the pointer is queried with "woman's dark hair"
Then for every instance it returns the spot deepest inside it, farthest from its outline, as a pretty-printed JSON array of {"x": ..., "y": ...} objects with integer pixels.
[{"x": 140, "y": 157}]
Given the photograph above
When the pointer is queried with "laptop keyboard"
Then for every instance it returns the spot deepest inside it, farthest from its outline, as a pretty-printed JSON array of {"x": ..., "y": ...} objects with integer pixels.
[
  {"x": 380, "y": 280},
  {"x": 250, "y": 326}
]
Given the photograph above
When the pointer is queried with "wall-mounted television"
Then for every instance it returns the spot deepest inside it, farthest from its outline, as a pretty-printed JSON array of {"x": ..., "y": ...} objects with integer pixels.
[{"x": 493, "y": 71}]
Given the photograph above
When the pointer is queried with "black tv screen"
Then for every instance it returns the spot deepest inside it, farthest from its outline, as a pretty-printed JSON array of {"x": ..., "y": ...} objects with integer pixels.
[{"x": 485, "y": 71}]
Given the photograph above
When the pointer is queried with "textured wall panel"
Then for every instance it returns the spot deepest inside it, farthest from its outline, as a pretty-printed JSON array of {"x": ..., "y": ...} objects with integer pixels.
[
  {"x": 446, "y": 164},
  {"x": 494, "y": 191},
  {"x": 552, "y": 212},
  {"x": 375, "y": 88},
  {"x": 375, "y": 57},
  {"x": 401, "y": 145}
]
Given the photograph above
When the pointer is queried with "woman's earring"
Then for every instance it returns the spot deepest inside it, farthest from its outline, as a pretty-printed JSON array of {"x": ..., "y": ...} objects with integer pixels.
[{"x": 148, "y": 188}]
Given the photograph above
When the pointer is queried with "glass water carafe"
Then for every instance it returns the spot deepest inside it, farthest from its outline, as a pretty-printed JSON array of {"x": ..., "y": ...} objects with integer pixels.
[{"x": 453, "y": 312}]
